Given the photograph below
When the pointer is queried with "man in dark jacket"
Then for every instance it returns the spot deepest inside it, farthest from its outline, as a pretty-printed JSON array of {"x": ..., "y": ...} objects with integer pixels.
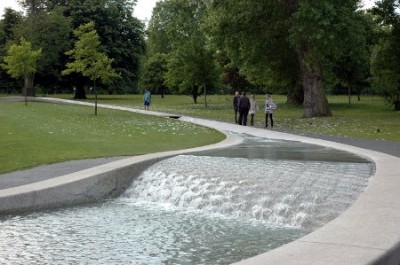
[
  {"x": 244, "y": 107},
  {"x": 236, "y": 105}
]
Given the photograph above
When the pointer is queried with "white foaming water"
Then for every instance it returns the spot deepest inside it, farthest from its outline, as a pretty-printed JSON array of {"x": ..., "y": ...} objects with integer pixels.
[{"x": 283, "y": 193}]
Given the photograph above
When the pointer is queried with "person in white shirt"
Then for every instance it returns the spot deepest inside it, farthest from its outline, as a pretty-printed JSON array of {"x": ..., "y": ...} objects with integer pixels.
[{"x": 270, "y": 106}]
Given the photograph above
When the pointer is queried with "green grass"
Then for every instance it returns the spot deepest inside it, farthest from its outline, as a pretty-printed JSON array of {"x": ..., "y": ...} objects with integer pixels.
[
  {"x": 43, "y": 133},
  {"x": 48, "y": 133},
  {"x": 370, "y": 118}
]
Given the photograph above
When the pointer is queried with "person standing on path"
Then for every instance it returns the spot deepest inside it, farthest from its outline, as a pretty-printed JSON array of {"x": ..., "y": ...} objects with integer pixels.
[
  {"x": 253, "y": 108},
  {"x": 244, "y": 107},
  {"x": 236, "y": 105},
  {"x": 147, "y": 99},
  {"x": 270, "y": 106}
]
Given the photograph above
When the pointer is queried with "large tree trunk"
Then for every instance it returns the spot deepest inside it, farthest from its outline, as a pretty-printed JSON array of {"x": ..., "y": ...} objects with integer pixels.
[
  {"x": 295, "y": 94},
  {"x": 397, "y": 105},
  {"x": 80, "y": 92},
  {"x": 29, "y": 90},
  {"x": 195, "y": 93},
  {"x": 315, "y": 101}
]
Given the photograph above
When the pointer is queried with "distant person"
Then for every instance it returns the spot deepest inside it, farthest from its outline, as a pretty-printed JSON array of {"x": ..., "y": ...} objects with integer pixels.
[
  {"x": 270, "y": 106},
  {"x": 147, "y": 99},
  {"x": 244, "y": 107},
  {"x": 236, "y": 105},
  {"x": 253, "y": 109}
]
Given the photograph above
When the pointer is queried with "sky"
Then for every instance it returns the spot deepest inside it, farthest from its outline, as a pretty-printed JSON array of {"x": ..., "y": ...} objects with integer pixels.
[{"x": 142, "y": 10}]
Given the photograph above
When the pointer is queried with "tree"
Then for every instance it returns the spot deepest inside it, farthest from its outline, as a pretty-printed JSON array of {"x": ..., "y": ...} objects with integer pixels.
[
  {"x": 21, "y": 61},
  {"x": 10, "y": 19},
  {"x": 33, "y": 6},
  {"x": 231, "y": 75},
  {"x": 351, "y": 69},
  {"x": 287, "y": 40},
  {"x": 190, "y": 60},
  {"x": 121, "y": 34},
  {"x": 385, "y": 61},
  {"x": 254, "y": 36},
  {"x": 49, "y": 23},
  {"x": 52, "y": 32},
  {"x": 8, "y": 22},
  {"x": 154, "y": 72},
  {"x": 88, "y": 60},
  {"x": 385, "y": 71}
]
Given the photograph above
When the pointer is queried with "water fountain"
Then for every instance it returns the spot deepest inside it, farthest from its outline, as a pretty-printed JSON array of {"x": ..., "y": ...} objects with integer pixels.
[{"x": 212, "y": 207}]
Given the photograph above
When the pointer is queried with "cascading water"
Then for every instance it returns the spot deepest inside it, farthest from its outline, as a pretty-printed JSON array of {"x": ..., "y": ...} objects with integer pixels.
[
  {"x": 215, "y": 207},
  {"x": 282, "y": 193}
]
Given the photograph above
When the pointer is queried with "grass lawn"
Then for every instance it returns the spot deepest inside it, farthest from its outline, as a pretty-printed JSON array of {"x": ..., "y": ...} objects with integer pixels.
[
  {"x": 370, "y": 118},
  {"x": 43, "y": 133}
]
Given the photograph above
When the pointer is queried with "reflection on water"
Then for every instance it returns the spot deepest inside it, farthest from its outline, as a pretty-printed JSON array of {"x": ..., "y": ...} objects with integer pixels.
[
  {"x": 209, "y": 208},
  {"x": 264, "y": 148}
]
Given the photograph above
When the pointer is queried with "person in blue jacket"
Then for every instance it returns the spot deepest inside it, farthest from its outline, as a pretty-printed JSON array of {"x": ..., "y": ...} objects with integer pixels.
[{"x": 147, "y": 99}]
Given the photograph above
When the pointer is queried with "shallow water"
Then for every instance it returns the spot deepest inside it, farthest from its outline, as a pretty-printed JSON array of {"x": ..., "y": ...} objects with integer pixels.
[
  {"x": 121, "y": 233},
  {"x": 210, "y": 208}
]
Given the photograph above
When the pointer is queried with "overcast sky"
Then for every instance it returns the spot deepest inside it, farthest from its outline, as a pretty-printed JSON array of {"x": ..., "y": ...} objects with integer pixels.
[{"x": 142, "y": 10}]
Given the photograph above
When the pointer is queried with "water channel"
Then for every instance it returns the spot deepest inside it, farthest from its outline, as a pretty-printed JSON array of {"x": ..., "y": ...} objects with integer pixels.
[{"x": 214, "y": 207}]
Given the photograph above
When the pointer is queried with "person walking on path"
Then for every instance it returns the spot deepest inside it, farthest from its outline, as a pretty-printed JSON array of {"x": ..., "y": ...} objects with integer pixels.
[
  {"x": 244, "y": 107},
  {"x": 270, "y": 106},
  {"x": 236, "y": 105},
  {"x": 253, "y": 108},
  {"x": 147, "y": 99}
]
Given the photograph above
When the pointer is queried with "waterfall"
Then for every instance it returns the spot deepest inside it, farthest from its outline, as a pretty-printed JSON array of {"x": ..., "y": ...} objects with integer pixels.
[{"x": 283, "y": 193}]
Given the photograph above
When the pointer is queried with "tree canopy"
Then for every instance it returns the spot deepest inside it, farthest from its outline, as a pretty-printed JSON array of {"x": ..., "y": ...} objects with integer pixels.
[
  {"x": 176, "y": 31},
  {"x": 291, "y": 42},
  {"x": 385, "y": 60},
  {"x": 303, "y": 48},
  {"x": 21, "y": 61},
  {"x": 88, "y": 60},
  {"x": 48, "y": 24}
]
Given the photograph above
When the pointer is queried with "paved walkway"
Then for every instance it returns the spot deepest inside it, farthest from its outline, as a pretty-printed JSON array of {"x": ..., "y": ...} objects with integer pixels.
[
  {"x": 386, "y": 147},
  {"x": 23, "y": 177}
]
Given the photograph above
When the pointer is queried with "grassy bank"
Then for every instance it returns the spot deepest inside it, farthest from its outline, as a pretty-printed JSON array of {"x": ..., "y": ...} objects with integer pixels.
[
  {"x": 370, "y": 118},
  {"x": 43, "y": 133}
]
